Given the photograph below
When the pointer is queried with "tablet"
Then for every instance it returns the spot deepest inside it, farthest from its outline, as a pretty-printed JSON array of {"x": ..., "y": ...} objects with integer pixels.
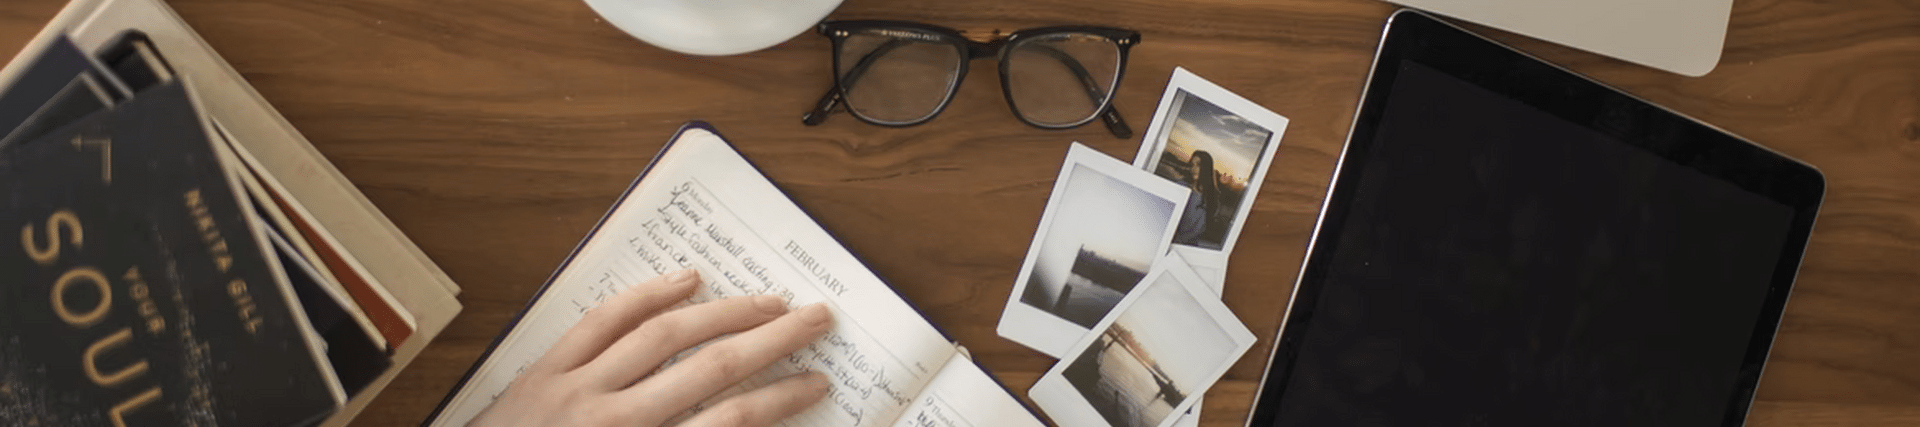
[{"x": 1506, "y": 243}]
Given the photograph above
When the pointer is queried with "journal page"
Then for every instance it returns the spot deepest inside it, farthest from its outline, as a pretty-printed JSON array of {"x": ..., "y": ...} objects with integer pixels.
[
  {"x": 963, "y": 395},
  {"x": 703, "y": 206}
]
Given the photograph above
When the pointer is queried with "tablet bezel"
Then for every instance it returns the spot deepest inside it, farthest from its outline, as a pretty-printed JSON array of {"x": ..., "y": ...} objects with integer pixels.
[{"x": 1417, "y": 37}]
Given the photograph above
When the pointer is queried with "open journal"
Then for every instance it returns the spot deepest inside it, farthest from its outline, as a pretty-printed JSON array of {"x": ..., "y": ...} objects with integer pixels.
[{"x": 701, "y": 205}]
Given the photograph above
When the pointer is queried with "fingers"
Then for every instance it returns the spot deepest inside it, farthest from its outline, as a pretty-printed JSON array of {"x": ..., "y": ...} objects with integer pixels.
[
  {"x": 766, "y": 405},
  {"x": 612, "y": 320},
  {"x": 728, "y": 361},
  {"x": 655, "y": 340}
]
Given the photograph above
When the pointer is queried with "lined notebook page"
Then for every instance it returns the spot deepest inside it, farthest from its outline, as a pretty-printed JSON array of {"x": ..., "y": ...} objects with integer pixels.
[
  {"x": 962, "y": 395},
  {"x": 702, "y": 206}
]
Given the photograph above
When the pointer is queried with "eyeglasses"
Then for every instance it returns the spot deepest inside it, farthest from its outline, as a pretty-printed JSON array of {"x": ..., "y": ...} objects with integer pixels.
[{"x": 894, "y": 73}]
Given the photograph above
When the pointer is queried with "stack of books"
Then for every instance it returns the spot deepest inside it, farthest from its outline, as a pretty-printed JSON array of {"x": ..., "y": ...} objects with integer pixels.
[{"x": 177, "y": 254}]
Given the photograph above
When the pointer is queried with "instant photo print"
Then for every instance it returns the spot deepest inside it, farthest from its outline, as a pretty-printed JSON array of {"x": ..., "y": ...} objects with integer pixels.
[
  {"x": 1169, "y": 342},
  {"x": 1103, "y": 229},
  {"x": 1218, "y": 145}
]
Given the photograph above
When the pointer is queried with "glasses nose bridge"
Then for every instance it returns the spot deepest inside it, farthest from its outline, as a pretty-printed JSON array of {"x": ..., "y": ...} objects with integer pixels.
[{"x": 986, "y": 49}]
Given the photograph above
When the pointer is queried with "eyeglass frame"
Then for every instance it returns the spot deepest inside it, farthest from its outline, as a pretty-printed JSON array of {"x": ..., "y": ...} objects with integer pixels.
[{"x": 839, "y": 31}]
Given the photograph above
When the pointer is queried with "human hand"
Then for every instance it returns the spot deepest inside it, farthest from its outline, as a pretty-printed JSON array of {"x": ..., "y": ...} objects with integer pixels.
[{"x": 601, "y": 373}]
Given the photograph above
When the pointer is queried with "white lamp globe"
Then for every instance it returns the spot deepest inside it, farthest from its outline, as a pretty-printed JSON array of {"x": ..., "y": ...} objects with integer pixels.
[{"x": 713, "y": 27}]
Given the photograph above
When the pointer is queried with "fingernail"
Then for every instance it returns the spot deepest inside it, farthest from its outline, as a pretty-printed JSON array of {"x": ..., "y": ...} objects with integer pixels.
[
  {"x": 683, "y": 276},
  {"x": 816, "y": 314},
  {"x": 770, "y": 304}
]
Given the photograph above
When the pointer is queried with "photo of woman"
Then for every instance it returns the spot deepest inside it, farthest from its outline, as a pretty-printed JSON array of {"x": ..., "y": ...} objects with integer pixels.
[
  {"x": 1215, "y": 153},
  {"x": 1205, "y": 201}
]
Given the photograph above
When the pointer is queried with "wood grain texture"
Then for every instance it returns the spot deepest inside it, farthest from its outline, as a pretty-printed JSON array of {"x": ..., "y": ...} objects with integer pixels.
[{"x": 495, "y": 133}]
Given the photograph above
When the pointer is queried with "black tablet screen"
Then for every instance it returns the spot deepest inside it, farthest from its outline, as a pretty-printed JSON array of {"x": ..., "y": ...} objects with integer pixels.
[{"x": 1501, "y": 266}]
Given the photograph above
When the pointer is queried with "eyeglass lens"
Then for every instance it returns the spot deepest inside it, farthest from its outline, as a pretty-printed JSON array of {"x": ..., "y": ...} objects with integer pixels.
[
  {"x": 1061, "y": 79},
  {"x": 896, "y": 79}
]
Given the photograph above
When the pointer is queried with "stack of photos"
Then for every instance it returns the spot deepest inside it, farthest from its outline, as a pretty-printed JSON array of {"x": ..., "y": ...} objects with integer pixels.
[{"x": 1178, "y": 207}]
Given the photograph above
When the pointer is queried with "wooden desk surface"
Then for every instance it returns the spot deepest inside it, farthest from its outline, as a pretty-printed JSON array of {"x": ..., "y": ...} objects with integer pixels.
[{"x": 495, "y": 133}]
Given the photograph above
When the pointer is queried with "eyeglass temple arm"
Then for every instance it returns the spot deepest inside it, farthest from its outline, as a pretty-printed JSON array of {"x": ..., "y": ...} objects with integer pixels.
[
  {"x": 1116, "y": 125},
  {"x": 823, "y": 107},
  {"x": 1111, "y": 116},
  {"x": 832, "y": 99}
]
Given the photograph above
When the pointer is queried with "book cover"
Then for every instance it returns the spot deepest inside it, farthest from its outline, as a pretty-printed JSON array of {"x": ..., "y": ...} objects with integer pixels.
[
  {"x": 78, "y": 99},
  {"x": 140, "y": 293},
  {"x": 48, "y": 74}
]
